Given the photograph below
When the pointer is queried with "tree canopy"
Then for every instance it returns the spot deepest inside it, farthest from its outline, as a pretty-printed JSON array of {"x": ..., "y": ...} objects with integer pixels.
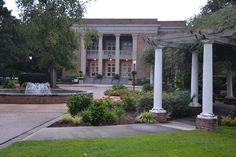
[
  {"x": 216, "y": 15},
  {"x": 11, "y": 42}
]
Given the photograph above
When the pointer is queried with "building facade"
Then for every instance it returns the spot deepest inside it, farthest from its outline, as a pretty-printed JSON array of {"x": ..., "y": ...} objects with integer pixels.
[{"x": 120, "y": 47}]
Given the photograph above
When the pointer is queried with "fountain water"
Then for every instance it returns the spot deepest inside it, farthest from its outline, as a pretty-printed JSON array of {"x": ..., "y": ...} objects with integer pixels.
[{"x": 38, "y": 88}]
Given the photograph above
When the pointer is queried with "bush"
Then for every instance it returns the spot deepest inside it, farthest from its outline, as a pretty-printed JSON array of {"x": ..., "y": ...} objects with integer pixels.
[
  {"x": 86, "y": 116},
  {"x": 129, "y": 103},
  {"x": 118, "y": 111},
  {"x": 145, "y": 103},
  {"x": 176, "y": 104},
  {"x": 147, "y": 88},
  {"x": 9, "y": 84},
  {"x": 145, "y": 117},
  {"x": 77, "y": 120},
  {"x": 227, "y": 121},
  {"x": 98, "y": 111},
  {"x": 33, "y": 77},
  {"x": 118, "y": 87},
  {"x": 66, "y": 119},
  {"x": 77, "y": 103}
]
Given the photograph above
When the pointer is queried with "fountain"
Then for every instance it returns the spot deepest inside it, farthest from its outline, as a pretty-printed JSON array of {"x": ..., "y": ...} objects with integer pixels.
[
  {"x": 37, "y": 93},
  {"x": 38, "y": 88}
]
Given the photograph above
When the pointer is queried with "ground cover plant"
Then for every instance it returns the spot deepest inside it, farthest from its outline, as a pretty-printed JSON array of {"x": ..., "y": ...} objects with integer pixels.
[{"x": 219, "y": 143}]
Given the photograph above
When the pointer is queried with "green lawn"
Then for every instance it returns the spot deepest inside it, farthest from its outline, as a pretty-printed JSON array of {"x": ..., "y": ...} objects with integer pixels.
[{"x": 220, "y": 143}]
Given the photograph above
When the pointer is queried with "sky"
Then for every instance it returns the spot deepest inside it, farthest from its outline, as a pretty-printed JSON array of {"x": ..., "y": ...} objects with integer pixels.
[{"x": 162, "y": 10}]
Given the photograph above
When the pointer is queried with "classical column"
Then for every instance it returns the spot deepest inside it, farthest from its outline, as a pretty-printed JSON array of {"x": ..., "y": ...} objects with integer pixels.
[
  {"x": 194, "y": 81},
  {"x": 207, "y": 120},
  {"x": 135, "y": 48},
  {"x": 157, "y": 106},
  {"x": 151, "y": 75},
  {"x": 83, "y": 56},
  {"x": 117, "y": 54},
  {"x": 100, "y": 54},
  {"x": 229, "y": 83}
]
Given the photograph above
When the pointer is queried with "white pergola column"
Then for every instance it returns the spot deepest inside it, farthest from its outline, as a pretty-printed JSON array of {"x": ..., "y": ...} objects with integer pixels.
[
  {"x": 229, "y": 83},
  {"x": 100, "y": 54},
  {"x": 117, "y": 54},
  {"x": 207, "y": 120},
  {"x": 134, "y": 48},
  {"x": 83, "y": 56},
  {"x": 194, "y": 81},
  {"x": 151, "y": 75},
  {"x": 157, "y": 106},
  {"x": 207, "y": 90}
]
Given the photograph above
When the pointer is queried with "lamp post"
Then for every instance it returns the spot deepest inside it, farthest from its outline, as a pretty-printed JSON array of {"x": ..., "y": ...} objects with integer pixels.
[{"x": 134, "y": 72}]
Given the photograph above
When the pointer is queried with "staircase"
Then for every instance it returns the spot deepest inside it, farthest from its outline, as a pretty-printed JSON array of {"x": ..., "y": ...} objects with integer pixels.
[{"x": 105, "y": 80}]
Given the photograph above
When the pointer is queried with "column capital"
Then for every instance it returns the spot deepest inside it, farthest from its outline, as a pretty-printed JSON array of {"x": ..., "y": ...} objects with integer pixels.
[
  {"x": 159, "y": 46},
  {"x": 117, "y": 34},
  {"x": 135, "y": 35},
  {"x": 207, "y": 41}
]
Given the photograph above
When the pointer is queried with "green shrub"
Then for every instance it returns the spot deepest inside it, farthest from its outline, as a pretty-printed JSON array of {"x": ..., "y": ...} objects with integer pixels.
[
  {"x": 118, "y": 87},
  {"x": 33, "y": 77},
  {"x": 227, "y": 121},
  {"x": 9, "y": 84},
  {"x": 77, "y": 120},
  {"x": 110, "y": 117},
  {"x": 86, "y": 116},
  {"x": 147, "y": 87},
  {"x": 98, "y": 112},
  {"x": 77, "y": 103},
  {"x": 176, "y": 104},
  {"x": 145, "y": 117},
  {"x": 66, "y": 119},
  {"x": 118, "y": 111},
  {"x": 129, "y": 103},
  {"x": 145, "y": 103}
]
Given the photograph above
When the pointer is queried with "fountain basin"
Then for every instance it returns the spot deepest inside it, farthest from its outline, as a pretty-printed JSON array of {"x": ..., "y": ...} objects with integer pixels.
[{"x": 18, "y": 96}]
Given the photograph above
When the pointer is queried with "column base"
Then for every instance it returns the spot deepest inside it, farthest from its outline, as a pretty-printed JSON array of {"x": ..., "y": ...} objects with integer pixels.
[
  {"x": 195, "y": 110},
  {"x": 194, "y": 104},
  {"x": 229, "y": 100},
  {"x": 160, "y": 115},
  {"x": 206, "y": 122}
]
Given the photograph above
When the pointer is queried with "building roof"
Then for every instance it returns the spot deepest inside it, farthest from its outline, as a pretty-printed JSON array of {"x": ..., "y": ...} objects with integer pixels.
[{"x": 134, "y": 21}]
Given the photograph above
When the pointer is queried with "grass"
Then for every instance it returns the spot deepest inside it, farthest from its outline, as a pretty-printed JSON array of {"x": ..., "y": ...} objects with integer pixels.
[{"x": 220, "y": 143}]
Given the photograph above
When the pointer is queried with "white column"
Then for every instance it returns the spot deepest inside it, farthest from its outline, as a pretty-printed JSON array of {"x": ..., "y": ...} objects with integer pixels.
[
  {"x": 194, "y": 81},
  {"x": 83, "y": 56},
  {"x": 100, "y": 54},
  {"x": 229, "y": 83},
  {"x": 151, "y": 75},
  {"x": 117, "y": 54},
  {"x": 207, "y": 91},
  {"x": 157, "y": 106},
  {"x": 135, "y": 48}
]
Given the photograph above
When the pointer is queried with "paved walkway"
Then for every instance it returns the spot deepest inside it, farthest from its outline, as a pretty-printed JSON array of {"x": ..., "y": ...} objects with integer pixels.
[
  {"x": 106, "y": 131},
  {"x": 19, "y": 120}
]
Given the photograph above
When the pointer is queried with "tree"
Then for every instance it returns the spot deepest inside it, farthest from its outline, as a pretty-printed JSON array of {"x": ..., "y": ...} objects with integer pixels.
[
  {"x": 50, "y": 39},
  {"x": 11, "y": 43}
]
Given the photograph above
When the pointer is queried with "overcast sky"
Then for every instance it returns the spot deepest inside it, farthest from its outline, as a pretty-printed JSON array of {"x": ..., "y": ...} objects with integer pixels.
[{"x": 159, "y": 9}]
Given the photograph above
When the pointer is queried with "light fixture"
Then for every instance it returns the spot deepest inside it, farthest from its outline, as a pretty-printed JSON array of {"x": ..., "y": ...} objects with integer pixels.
[
  {"x": 126, "y": 60},
  {"x": 94, "y": 59},
  {"x": 30, "y": 57},
  {"x": 134, "y": 61}
]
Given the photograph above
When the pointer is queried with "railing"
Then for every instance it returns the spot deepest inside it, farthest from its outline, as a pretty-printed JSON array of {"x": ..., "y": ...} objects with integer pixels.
[
  {"x": 92, "y": 54},
  {"x": 109, "y": 54},
  {"x": 125, "y": 54}
]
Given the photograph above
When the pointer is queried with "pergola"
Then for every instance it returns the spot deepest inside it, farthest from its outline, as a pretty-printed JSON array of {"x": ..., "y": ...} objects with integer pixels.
[{"x": 226, "y": 37}]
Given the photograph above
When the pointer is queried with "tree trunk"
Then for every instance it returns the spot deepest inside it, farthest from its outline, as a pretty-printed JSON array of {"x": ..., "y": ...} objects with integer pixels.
[{"x": 53, "y": 76}]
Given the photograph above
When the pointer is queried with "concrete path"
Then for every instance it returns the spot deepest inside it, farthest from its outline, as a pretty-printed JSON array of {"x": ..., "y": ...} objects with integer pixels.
[
  {"x": 185, "y": 124},
  {"x": 98, "y": 132},
  {"x": 19, "y": 120}
]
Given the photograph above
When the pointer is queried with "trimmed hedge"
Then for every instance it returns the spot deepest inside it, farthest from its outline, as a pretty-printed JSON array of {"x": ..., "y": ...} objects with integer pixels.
[{"x": 33, "y": 77}]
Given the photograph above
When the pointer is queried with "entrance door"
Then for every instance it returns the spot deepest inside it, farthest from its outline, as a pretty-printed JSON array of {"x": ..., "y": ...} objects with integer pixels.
[
  {"x": 126, "y": 69},
  {"x": 93, "y": 69},
  {"x": 110, "y": 69}
]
